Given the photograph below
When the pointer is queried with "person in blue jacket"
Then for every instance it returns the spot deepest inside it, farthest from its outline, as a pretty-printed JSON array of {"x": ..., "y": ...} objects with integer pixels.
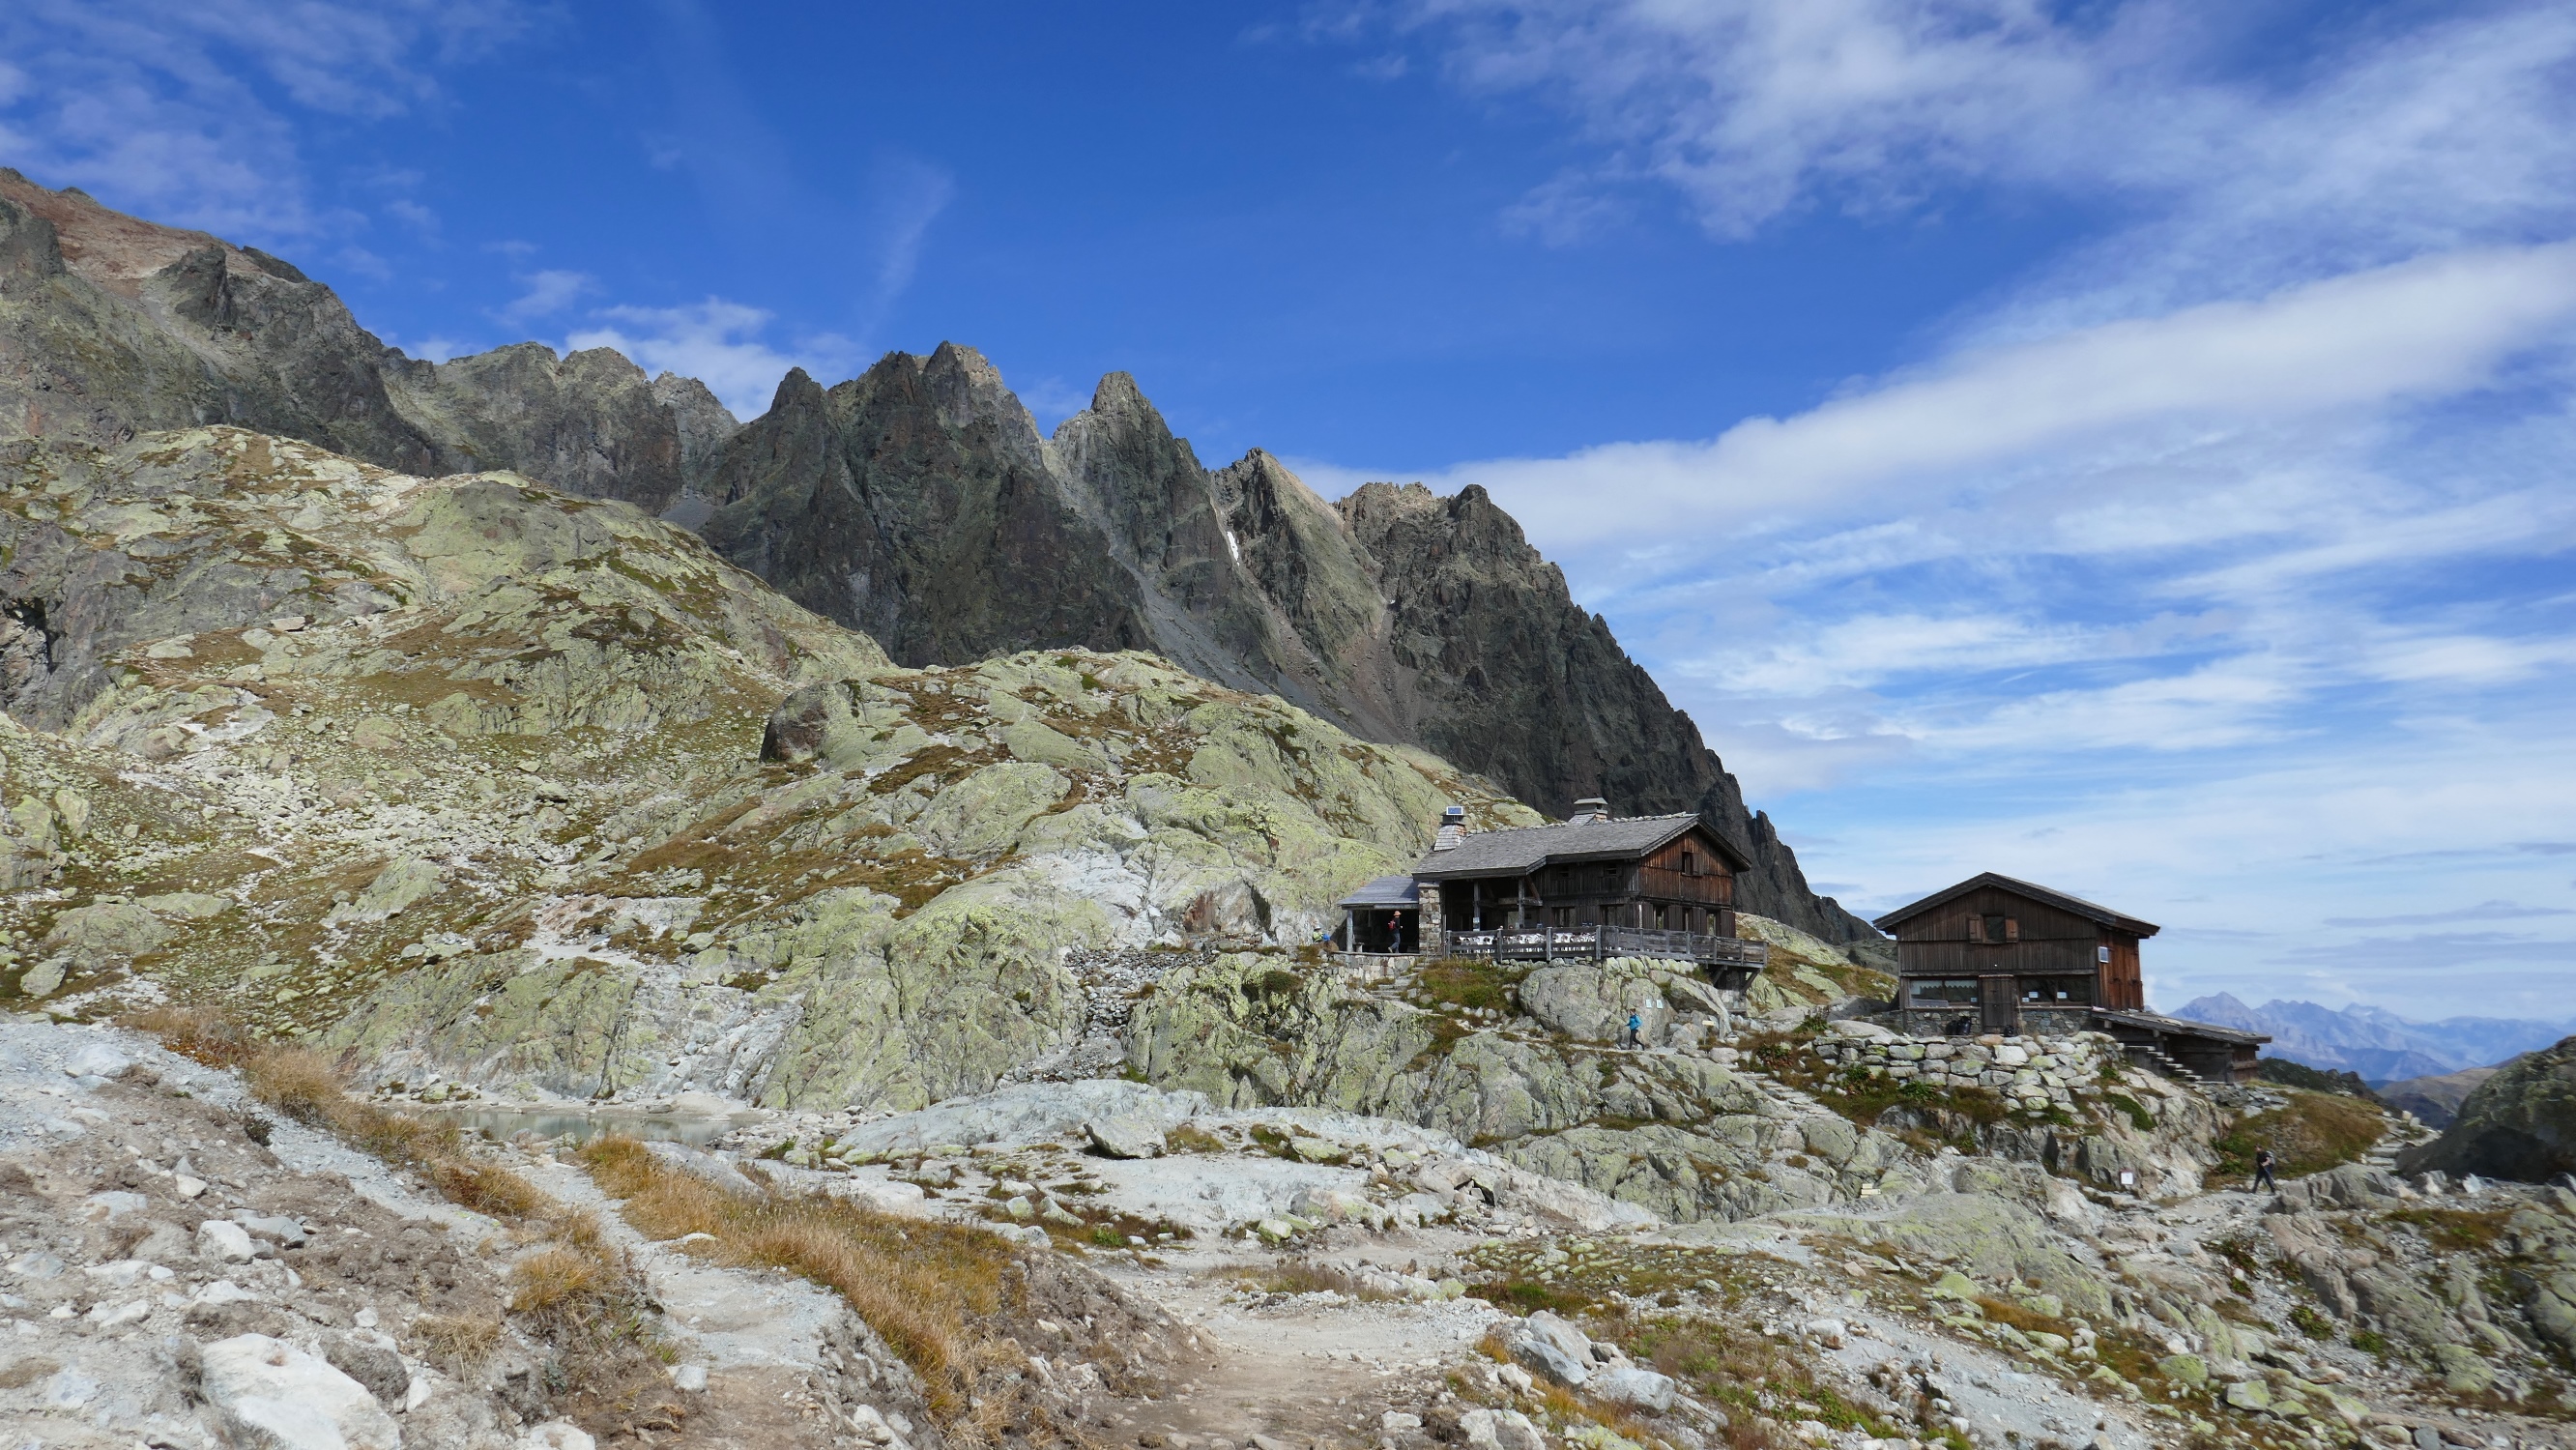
[{"x": 1636, "y": 1030}]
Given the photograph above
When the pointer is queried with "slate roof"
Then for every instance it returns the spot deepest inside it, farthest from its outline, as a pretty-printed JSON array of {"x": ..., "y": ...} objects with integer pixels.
[
  {"x": 1395, "y": 891},
  {"x": 2176, "y": 1026},
  {"x": 1526, "y": 848},
  {"x": 2100, "y": 915}
]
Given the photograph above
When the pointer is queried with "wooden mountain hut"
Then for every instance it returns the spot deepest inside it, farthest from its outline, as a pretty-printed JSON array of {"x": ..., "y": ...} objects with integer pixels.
[
  {"x": 1998, "y": 955},
  {"x": 1593, "y": 886}
]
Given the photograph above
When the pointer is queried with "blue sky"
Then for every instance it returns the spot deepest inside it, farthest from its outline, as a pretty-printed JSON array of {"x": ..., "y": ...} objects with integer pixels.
[{"x": 2121, "y": 444}]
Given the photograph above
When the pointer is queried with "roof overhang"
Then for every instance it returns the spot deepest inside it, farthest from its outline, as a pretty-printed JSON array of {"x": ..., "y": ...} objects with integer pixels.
[
  {"x": 1436, "y": 866},
  {"x": 2046, "y": 896},
  {"x": 2178, "y": 1026},
  {"x": 1393, "y": 892}
]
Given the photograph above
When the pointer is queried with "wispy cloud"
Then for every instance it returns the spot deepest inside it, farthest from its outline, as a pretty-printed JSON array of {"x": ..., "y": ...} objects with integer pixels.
[
  {"x": 2436, "y": 326},
  {"x": 546, "y": 293},
  {"x": 2203, "y": 564},
  {"x": 2483, "y": 911},
  {"x": 185, "y": 110}
]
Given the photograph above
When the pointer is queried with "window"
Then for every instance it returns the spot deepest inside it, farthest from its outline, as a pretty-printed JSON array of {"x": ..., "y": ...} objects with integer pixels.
[
  {"x": 1993, "y": 930},
  {"x": 2057, "y": 991},
  {"x": 1690, "y": 863},
  {"x": 1942, "y": 991}
]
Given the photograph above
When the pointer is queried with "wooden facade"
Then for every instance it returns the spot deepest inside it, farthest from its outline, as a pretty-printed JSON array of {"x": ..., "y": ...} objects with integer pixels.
[
  {"x": 1996, "y": 955},
  {"x": 1685, "y": 885},
  {"x": 1654, "y": 879}
]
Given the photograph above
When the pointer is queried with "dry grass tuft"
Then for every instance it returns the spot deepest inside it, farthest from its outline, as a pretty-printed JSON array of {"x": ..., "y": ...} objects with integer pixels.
[
  {"x": 200, "y": 1034},
  {"x": 922, "y": 1284},
  {"x": 545, "y": 1281},
  {"x": 458, "y": 1342},
  {"x": 576, "y": 1294}
]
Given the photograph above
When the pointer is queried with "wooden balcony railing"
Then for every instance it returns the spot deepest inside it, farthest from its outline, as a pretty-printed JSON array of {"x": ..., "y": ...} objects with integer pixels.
[{"x": 1598, "y": 943}]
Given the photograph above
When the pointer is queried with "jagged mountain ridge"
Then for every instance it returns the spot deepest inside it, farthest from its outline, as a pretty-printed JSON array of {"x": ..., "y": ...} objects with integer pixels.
[
  {"x": 2380, "y": 1045},
  {"x": 918, "y": 503}
]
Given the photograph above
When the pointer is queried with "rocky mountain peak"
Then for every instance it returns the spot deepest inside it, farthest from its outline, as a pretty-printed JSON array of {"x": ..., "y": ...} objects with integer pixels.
[
  {"x": 917, "y": 502},
  {"x": 105, "y": 247}
]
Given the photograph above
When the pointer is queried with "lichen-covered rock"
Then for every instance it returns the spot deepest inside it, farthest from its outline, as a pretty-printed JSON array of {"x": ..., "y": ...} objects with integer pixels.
[
  {"x": 1992, "y": 1238},
  {"x": 1675, "y": 1133},
  {"x": 2520, "y": 1123},
  {"x": 397, "y": 888},
  {"x": 108, "y": 930},
  {"x": 1592, "y": 1001}
]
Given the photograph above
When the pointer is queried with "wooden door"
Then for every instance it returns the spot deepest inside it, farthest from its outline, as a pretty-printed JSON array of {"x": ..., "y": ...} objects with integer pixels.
[{"x": 2000, "y": 997}]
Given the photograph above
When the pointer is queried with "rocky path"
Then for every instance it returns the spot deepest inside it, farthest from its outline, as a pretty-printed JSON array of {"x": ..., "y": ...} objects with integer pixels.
[{"x": 1295, "y": 1367}]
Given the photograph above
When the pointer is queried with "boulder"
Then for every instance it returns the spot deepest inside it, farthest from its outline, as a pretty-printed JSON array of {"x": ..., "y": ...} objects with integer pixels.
[
  {"x": 1124, "y": 1135},
  {"x": 1626, "y": 1384},
  {"x": 97, "y": 1059},
  {"x": 1592, "y": 1001},
  {"x": 2519, "y": 1123},
  {"x": 267, "y": 1394},
  {"x": 396, "y": 889},
  {"x": 225, "y": 1243},
  {"x": 1331, "y": 1205},
  {"x": 2354, "y": 1185},
  {"x": 1555, "y": 1330},
  {"x": 1544, "y": 1359},
  {"x": 2188, "y": 1369},
  {"x": 377, "y": 1366},
  {"x": 1500, "y": 1430},
  {"x": 108, "y": 930}
]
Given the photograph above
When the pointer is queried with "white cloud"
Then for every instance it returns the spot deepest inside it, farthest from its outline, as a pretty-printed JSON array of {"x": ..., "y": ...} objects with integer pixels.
[
  {"x": 2416, "y": 329},
  {"x": 718, "y": 343},
  {"x": 547, "y": 292},
  {"x": 2200, "y": 567},
  {"x": 150, "y": 103},
  {"x": 2390, "y": 137}
]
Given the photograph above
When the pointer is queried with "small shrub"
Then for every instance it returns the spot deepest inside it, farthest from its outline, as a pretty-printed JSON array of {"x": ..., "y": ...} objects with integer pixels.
[
  {"x": 2370, "y": 1341},
  {"x": 2310, "y": 1323},
  {"x": 2136, "y": 1112}
]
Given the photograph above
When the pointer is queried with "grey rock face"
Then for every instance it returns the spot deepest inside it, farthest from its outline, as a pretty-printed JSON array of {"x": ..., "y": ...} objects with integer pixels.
[
  {"x": 589, "y": 423},
  {"x": 919, "y": 503},
  {"x": 114, "y": 326},
  {"x": 2520, "y": 1123}
]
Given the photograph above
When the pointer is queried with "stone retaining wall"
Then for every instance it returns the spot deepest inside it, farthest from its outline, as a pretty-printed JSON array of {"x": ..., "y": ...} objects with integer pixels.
[{"x": 2035, "y": 1072}]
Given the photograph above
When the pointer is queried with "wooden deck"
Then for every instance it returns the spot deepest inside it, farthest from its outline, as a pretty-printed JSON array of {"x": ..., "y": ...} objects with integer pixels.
[{"x": 1599, "y": 943}]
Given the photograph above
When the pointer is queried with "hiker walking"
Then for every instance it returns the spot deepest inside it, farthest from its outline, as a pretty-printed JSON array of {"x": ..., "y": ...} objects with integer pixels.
[
  {"x": 1395, "y": 932},
  {"x": 2263, "y": 1171},
  {"x": 1636, "y": 1030}
]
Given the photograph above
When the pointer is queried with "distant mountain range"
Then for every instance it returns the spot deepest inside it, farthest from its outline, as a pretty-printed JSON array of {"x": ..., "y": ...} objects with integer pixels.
[{"x": 2376, "y": 1043}]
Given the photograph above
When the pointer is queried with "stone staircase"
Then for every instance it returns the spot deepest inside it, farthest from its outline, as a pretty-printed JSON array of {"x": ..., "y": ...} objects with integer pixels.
[{"x": 2155, "y": 1059}]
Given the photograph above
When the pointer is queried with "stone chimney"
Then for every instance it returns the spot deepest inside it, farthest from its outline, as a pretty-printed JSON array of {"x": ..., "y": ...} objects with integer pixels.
[
  {"x": 1453, "y": 828},
  {"x": 1589, "y": 809}
]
